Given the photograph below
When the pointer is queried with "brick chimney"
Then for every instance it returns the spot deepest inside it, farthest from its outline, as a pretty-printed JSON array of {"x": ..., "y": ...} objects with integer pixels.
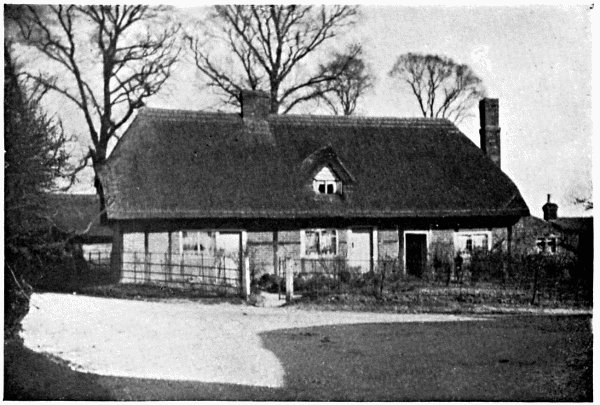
[
  {"x": 255, "y": 104},
  {"x": 255, "y": 114},
  {"x": 489, "y": 131},
  {"x": 550, "y": 210}
]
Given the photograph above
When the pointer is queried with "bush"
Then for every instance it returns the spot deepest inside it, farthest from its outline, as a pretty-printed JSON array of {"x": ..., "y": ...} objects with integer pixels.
[
  {"x": 315, "y": 283},
  {"x": 271, "y": 283},
  {"x": 488, "y": 266},
  {"x": 16, "y": 303}
]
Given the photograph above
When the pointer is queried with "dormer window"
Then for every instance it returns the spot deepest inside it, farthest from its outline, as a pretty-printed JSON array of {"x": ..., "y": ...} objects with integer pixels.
[
  {"x": 326, "y": 182},
  {"x": 331, "y": 180}
]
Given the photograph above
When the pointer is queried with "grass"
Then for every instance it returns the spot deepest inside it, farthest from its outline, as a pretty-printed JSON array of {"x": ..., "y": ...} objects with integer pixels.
[
  {"x": 149, "y": 292},
  {"x": 509, "y": 358},
  {"x": 430, "y": 298}
]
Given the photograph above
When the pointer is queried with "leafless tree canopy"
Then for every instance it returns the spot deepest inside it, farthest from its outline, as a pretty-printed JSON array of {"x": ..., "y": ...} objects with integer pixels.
[
  {"x": 351, "y": 80},
  {"x": 442, "y": 87},
  {"x": 110, "y": 60},
  {"x": 268, "y": 45}
]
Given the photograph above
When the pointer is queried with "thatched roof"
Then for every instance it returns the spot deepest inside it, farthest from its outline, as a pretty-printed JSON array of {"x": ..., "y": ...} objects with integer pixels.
[
  {"x": 73, "y": 213},
  {"x": 182, "y": 164}
]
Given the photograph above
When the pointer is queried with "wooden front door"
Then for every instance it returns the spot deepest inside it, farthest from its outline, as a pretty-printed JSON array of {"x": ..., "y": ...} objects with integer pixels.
[
  {"x": 416, "y": 254},
  {"x": 359, "y": 249}
]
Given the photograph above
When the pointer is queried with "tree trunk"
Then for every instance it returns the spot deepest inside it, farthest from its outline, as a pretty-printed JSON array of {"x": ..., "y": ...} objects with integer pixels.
[{"x": 100, "y": 192}]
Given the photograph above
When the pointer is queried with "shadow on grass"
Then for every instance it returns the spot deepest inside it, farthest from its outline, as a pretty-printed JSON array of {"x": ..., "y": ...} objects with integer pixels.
[
  {"x": 529, "y": 358},
  {"x": 535, "y": 358}
]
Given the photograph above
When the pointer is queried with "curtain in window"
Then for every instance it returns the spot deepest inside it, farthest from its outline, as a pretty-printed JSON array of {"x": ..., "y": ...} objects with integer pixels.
[{"x": 312, "y": 243}]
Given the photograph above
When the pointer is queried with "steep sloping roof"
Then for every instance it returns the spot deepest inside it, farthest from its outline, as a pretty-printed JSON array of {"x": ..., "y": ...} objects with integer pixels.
[
  {"x": 182, "y": 164},
  {"x": 73, "y": 213},
  {"x": 574, "y": 224}
]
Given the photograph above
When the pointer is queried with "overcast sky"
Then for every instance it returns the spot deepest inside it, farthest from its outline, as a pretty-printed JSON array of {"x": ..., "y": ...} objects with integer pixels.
[{"x": 535, "y": 59}]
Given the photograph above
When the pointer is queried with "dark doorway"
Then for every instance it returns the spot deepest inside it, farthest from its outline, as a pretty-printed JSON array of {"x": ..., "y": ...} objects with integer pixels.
[{"x": 416, "y": 254}]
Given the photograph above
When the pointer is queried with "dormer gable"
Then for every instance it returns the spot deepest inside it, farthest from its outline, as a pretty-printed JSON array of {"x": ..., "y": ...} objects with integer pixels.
[{"x": 326, "y": 173}]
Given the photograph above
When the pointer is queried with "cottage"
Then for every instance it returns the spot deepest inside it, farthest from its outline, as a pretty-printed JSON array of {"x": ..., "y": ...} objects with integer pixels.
[
  {"x": 186, "y": 186},
  {"x": 555, "y": 235}
]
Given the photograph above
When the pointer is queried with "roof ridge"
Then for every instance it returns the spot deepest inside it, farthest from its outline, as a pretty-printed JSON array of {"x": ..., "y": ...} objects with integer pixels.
[
  {"x": 360, "y": 117},
  {"x": 177, "y": 113},
  {"x": 153, "y": 112}
]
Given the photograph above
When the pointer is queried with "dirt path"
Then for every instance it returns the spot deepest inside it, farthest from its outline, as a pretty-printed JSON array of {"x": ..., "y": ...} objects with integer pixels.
[{"x": 176, "y": 340}]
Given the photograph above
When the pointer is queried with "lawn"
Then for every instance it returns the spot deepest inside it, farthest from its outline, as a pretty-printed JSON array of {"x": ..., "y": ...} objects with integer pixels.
[{"x": 511, "y": 358}]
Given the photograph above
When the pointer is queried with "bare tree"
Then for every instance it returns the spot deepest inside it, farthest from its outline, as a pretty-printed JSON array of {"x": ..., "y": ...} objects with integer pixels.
[
  {"x": 351, "y": 80},
  {"x": 443, "y": 88},
  {"x": 269, "y": 45},
  {"x": 110, "y": 59}
]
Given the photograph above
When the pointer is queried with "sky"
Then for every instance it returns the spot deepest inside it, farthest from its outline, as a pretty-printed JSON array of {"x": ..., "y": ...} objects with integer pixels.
[{"x": 537, "y": 60}]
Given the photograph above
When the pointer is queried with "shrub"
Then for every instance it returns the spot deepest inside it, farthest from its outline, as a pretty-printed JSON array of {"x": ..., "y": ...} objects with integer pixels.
[{"x": 271, "y": 283}]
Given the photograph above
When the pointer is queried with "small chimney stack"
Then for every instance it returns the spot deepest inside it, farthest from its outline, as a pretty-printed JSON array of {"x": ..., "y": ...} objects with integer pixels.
[
  {"x": 550, "y": 210},
  {"x": 255, "y": 116},
  {"x": 255, "y": 104},
  {"x": 489, "y": 131}
]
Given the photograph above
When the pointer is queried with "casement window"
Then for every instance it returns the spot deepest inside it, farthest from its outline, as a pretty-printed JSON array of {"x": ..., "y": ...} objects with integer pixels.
[
  {"x": 319, "y": 242},
  {"x": 191, "y": 241},
  {"x": 546, "y": 245},
  {"x": 326, "y": 182},
  {"x": 468, "y": 242}
]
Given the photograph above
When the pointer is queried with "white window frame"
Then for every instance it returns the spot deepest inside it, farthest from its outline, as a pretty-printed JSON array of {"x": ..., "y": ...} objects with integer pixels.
[
  {"x": 547, "y": 239},
  {"x": 197, "y": 235},
  {"x": 335, "y": 183},
  {"x": 317, "y": 256},
  {"x": 457, "y": 235}
]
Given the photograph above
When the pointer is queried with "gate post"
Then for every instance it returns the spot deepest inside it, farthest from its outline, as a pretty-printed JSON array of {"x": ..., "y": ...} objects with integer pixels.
[
  {"x": 289, "y": 282},
  {"x": 246, "y": 278}
]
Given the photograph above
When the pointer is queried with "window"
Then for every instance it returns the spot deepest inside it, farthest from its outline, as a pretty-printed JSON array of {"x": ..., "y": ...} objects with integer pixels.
[
  {"x": 195, "y": 241},
  {"x": 546, "y": 245},
  {"x": 467, "y": 242},
  {"x": 319, "y": 242},
  {"x": 326, "y": 182},
  {"x": 190, "y": 242}
]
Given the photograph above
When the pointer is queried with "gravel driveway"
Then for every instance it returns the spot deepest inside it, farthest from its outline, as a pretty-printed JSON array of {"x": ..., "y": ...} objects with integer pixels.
[{"x": 176, "y": 340}]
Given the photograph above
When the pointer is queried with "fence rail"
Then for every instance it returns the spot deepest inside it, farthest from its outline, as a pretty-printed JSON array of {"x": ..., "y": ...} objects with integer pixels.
[
  {"x": 215, "y": 273},
  {"x": 532, "y": 277}
]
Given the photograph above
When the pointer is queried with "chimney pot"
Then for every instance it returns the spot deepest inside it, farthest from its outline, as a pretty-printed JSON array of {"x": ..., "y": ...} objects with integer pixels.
[
  {"x": 489, "y": 131},
  {"x": 550, "y": 210}
]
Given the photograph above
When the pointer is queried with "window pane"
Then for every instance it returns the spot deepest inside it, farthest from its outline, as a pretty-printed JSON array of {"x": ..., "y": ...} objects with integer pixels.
[
  {"x": 312, "y": 243},
  {"x": 328, "y": 242},
  {"x": 469, "y": 244},
  {"x": 541, "y": 245},
  {"x": 329, "y": 188},
  {"x": 552, "y": 245},
  {"x": 322, "y": 188},
  {"x": 480, "y": 241},
  {"x": 190, "y": 241}
]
